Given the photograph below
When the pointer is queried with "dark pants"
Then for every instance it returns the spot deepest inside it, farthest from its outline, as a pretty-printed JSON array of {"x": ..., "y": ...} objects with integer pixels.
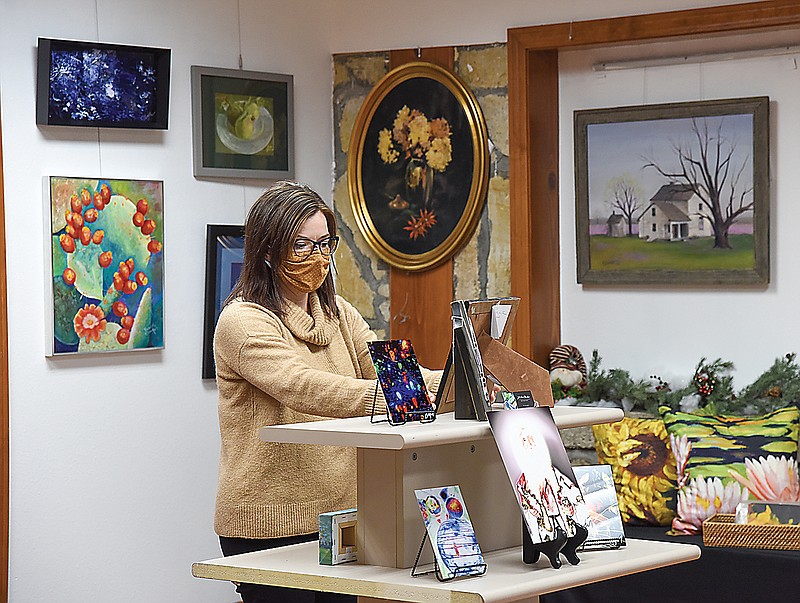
[{"x": 256, "y": 593}]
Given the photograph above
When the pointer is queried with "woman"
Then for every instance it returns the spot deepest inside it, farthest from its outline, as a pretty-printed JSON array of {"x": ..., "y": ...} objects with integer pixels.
[{"x": 287, "y": 350}]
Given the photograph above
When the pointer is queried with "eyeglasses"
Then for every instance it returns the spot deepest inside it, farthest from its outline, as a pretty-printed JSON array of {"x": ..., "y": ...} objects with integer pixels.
[{"x": 303, "y": 248}]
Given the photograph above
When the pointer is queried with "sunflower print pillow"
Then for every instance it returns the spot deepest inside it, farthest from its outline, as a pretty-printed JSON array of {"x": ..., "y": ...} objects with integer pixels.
[
  {"x": 643, "y": 466},
  {"x": 724, "y": 460}
]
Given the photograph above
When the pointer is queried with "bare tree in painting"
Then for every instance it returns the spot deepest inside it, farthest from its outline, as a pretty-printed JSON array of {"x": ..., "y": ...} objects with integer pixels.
[
  {"x": 623, "y": 193},
  {"x": 709, "y": 171}
]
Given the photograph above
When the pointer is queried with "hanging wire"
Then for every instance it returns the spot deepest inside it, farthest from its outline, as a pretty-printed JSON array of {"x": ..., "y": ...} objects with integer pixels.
[
  {"x": 241, "y": 66},
  {"x": 239, "y": 25},
  {"x": 97, "y": 33}
]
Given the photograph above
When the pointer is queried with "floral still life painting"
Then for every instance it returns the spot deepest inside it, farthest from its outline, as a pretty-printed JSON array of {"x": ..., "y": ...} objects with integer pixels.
[
  {"x": 106, "y": 265},
  {"x": 418, "y": 166}
]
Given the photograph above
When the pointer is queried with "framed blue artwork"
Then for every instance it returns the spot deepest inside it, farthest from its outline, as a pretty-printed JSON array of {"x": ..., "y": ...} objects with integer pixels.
[
  {"x": 224, "y": 259},
  {"x": 102, "y": 85}
]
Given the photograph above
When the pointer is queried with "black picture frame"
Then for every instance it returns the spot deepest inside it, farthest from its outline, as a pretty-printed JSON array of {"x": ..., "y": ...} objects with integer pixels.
[
  {"x": 92, "y": 84},
  {"x": 695, "y": 155},
  {"x": 224, "y": 257},
  {"x": 262, "y": 150}
]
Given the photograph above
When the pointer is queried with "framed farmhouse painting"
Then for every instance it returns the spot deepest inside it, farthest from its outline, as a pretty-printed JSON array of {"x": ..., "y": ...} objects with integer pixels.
[
  {"x": 224, "y": 259},
  {"x": 673, "y": 194},
  {"x": 105, "y": 265},
  {"x": 242, "y": 123},
  {"x": 418, "y": 166}
]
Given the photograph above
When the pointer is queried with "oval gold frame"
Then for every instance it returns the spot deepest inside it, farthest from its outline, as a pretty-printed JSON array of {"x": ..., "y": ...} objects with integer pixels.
[{"x": 480, "y": 170}]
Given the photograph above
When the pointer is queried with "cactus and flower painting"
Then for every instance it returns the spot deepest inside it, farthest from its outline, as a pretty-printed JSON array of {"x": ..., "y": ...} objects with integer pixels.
[{"x": 106, "y": 265}]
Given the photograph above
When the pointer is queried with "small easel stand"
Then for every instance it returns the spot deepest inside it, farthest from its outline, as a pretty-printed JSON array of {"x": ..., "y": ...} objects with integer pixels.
[
  {"x": 477, "y": 569},
  {"x": 562, "y": 544},
  {"x": 426, "y": 415}
]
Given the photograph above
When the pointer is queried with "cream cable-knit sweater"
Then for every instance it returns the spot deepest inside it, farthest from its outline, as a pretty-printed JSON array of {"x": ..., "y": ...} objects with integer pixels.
[{"x": 272, "y": 371}]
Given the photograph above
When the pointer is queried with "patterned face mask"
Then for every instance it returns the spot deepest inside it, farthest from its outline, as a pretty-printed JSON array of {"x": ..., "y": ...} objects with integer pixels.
[{"x": 306, "y": 275}]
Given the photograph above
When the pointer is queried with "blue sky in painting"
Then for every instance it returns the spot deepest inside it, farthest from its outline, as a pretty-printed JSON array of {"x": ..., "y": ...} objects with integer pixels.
[{"x": 615, "y": 149}]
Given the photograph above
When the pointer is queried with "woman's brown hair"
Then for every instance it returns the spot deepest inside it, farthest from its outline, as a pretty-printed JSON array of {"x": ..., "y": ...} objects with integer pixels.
[{"x": 270, "y": 230}]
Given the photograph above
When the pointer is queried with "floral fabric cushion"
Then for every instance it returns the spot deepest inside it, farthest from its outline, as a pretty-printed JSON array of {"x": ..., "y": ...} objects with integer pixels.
[
  {"x": 724, "y": 460},
  {"x": 643, "y": 467}
]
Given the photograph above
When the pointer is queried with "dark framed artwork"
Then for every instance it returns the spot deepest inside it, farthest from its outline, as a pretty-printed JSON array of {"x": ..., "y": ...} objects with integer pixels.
[
  {"x": 102, "y": 85},
  {"x": 673, "y": 194},
  {"x": 224, "y": 258},
  {"x": 418, "y": 166},
  {"x": 242, "y": 123}
]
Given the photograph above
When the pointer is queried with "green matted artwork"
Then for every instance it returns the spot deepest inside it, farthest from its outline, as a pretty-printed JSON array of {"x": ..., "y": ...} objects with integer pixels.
[
  {"x": 418, "y": 166},
  {"x": 105, "y": 272},
  {"x": 673, "y": 194},
  {"x": 242, "y": 123}
]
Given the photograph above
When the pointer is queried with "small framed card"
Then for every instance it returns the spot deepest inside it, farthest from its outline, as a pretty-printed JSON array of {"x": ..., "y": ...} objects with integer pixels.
[
  {"x": 605, "y": 523},
  {"x": 455, "y": 546}
]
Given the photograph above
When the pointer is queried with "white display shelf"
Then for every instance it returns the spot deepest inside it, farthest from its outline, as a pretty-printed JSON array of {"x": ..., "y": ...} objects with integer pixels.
[
  {"x": 507, "y": 578},
  {"x": 359, "y": 432}
]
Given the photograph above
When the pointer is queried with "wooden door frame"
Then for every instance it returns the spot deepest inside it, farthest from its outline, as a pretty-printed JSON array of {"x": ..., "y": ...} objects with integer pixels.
[
  {"x": 533, "y": 119},
  {"x": 4, "y": 486}
]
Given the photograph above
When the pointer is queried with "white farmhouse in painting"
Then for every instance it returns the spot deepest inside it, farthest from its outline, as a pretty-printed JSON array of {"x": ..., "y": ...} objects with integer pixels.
[{"x": 673, "y": 215}]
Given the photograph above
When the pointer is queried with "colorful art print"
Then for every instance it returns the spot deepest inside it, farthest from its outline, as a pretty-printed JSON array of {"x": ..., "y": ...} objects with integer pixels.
[
  {"x": 450, "y": 530},
  {"x": 418, "y": 166},
  {"x": 673, "y": 194},
  {"x": 604, "y": 521},
  {"x": 224, "y": 259},
  {"x": 539, "y": 470},
  {"x": 105, "y": 265},
  {"x": 242, "y": 123},
  {"x": 105, "y": 85},
  {"x": 401, "y": 381}
]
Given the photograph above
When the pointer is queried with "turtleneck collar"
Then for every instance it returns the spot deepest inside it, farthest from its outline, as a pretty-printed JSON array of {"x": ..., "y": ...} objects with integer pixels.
[{"x": 315, "y": 328}]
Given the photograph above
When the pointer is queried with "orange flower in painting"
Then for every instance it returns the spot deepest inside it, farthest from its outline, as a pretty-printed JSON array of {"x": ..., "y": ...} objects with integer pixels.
[
  {"x": 418, "y": 225},
  {"x": 90, "y": 322}
]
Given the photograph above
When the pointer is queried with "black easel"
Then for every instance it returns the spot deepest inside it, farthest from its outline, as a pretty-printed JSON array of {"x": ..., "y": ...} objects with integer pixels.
[
  {"x": 562, "y": 544},
  {"x": 467, "y": 570}
]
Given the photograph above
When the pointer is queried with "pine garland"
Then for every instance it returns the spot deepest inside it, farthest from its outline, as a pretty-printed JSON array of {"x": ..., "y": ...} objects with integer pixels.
[{"x": 710, "y": 391}]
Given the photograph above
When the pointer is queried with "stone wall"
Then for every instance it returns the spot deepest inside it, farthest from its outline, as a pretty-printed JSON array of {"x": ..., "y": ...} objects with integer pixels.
[{"x": 579, "y": 442}]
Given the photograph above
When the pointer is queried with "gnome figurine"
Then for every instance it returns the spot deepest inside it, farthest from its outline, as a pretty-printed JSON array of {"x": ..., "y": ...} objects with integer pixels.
[{"x": 567, "y": 367}]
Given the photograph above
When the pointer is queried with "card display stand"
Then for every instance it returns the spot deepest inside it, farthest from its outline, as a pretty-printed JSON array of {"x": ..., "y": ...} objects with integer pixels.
[
  {"x": 553, "y": 549},
  {"x": 472, "y": 570}
]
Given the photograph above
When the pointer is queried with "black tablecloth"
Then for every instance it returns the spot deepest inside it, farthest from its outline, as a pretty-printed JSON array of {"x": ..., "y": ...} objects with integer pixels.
[{"x": 721, "y": 574}]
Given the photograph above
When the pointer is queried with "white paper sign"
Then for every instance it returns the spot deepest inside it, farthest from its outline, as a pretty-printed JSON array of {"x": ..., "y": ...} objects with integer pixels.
[{"x": 500, "y": 314}]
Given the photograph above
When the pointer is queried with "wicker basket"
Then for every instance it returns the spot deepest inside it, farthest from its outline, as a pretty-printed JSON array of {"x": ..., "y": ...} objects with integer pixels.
[{"x": 719, "y": 530}]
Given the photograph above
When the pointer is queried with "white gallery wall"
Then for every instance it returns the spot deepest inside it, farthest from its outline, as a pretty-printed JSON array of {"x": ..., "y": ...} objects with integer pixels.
[
  {"x": 646, "y": 330},
  {"x": 113, "y": 459},
  {"x": 666, "y": 330}
]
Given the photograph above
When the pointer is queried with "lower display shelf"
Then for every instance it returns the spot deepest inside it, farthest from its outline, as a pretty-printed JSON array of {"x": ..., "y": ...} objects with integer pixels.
[{"x": 507, "y": 578}]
